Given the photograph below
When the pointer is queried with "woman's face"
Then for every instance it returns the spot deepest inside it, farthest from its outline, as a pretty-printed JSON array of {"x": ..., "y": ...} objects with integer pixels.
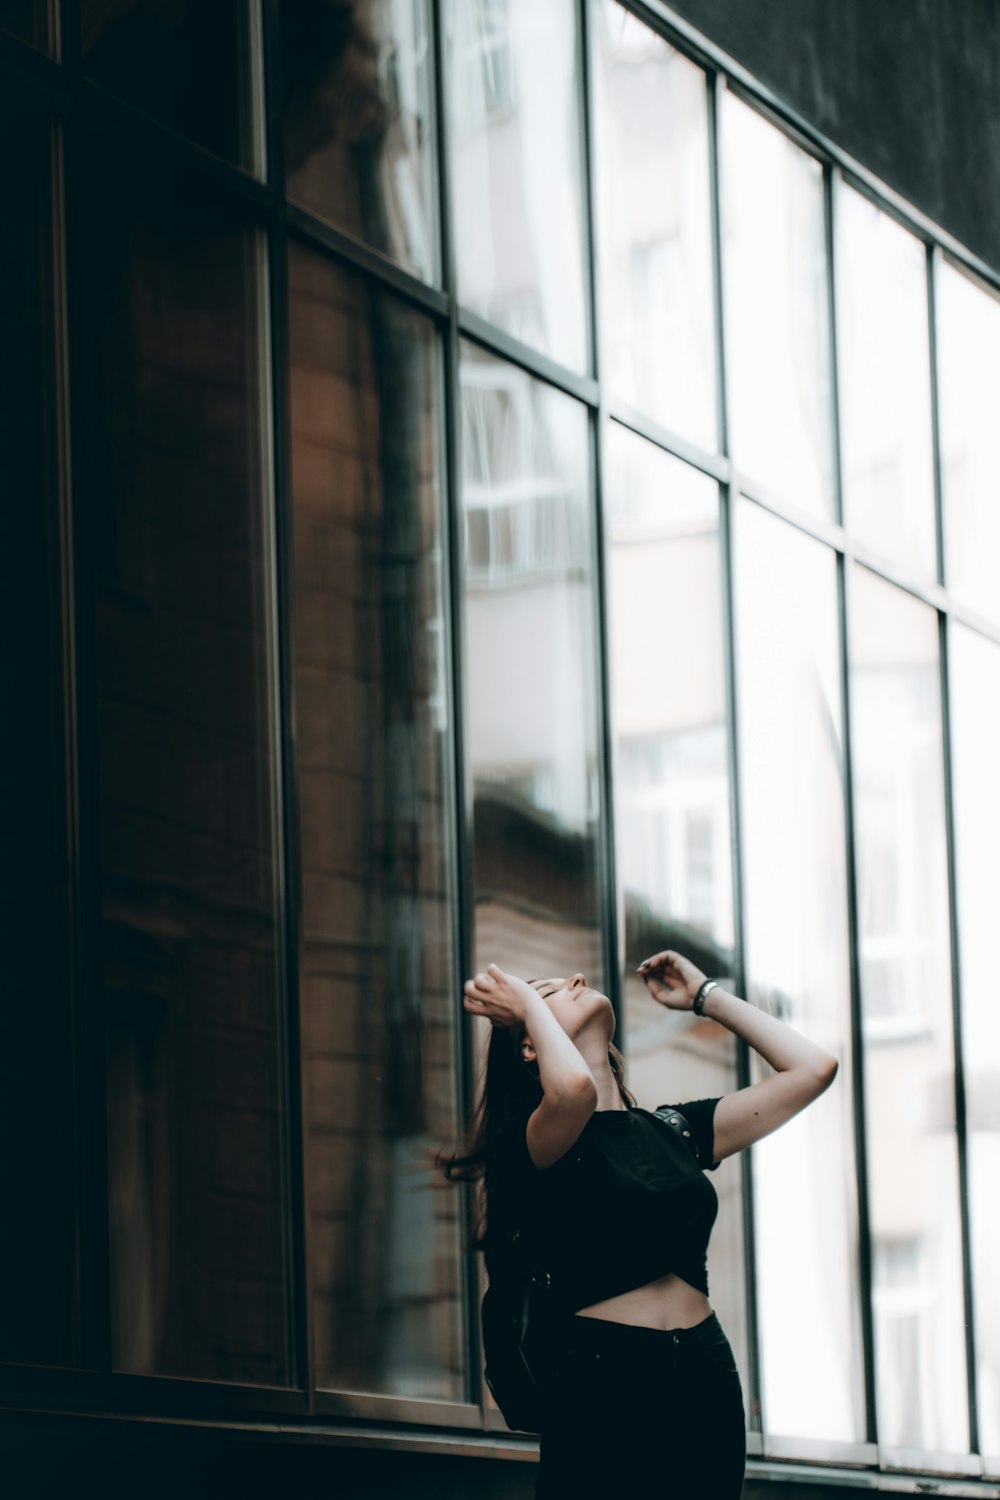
[{"x": 574, "y": 1004}]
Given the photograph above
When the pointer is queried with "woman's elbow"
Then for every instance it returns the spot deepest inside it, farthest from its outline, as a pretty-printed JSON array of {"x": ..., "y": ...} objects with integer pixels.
[{"x": 827, "y": 1071}]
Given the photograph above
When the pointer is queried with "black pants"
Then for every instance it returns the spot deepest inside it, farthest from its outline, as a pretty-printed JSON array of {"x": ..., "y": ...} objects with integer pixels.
[{"x": 658, "y": 1408}]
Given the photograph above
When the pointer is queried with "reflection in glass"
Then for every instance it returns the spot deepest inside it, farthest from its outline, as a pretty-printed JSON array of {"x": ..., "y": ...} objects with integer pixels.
[
  {"x": 31, "y": 20},
  {"x": 654, "y": 222},
  {"x": 169, "y": 426},
  {"x": 38, "y": 1266},
  {"x": 530, "y": 663},
  {"x": 187, "y": 64},
  {"x": 777, "y": 310},
  {"x": 672, "y": 827},
  {"x": 513, "y": 116},
  {"x": 378, "y": 987},
  {"x": 968, "y": 355},
  {"x": 794, "y": 859},
  {"x": 906, "y": 1019},
  {"x": 974, "y": 676},
  {"x": 883, "y": 357},
  {"x": 359, "y": 123}
]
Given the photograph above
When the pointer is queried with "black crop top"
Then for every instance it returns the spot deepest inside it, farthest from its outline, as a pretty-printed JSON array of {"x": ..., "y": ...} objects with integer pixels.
[{"x": 624, "y": 1205}]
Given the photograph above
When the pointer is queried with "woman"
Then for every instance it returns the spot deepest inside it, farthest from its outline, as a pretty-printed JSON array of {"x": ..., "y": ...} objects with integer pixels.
[{"x": 640, "y": 1380}]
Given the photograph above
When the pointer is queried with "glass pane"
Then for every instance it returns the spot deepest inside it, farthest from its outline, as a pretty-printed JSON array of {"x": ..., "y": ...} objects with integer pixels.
[
  {"x": 672, "y": 825},
  {"x": 187, "y": 64},
  {"x": 654, "y": 222},
  {"x": 906, "y": 1018},
  {"x": 513, "y": 115},
  {"x": 776, "y": 309},
  {"x": 360, "y": 139},
  {"x": 968, "y": 353},
  {"x": 169, "y": 420},
  {"x": 31, "y": 20},
  {"x": 974, "y": 675},
  {"x": 38, "y": 1245},
  {"x": 794, "y": 859},
  {"x": 530, "y": 664},
  {"x": 885, "y": 394},
  {"x": 378, "y": 980}
]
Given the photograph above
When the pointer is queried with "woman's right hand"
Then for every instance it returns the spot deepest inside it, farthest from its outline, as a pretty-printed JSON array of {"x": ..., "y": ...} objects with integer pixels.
[{"x": 502, "y": 998}]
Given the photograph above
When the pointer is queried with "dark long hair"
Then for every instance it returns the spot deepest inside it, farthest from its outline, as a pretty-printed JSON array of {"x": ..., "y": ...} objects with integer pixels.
[{"x": 510, "y": 1091}]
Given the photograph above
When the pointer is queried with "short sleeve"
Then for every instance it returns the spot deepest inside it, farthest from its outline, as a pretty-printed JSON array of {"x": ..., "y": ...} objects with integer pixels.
[{"x": 700, "y": 1114}]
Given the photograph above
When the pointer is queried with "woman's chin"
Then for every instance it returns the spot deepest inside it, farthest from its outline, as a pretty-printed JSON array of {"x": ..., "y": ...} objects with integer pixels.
[{"x": 597, "y": 1002}]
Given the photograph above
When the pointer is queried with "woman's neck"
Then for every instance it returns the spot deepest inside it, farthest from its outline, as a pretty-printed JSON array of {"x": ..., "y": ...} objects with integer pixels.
[{"x": 596, "y": 1057}]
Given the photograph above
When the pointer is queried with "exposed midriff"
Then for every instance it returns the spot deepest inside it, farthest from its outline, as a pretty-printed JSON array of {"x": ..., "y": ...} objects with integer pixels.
[{"x": 667, "y": 1302}]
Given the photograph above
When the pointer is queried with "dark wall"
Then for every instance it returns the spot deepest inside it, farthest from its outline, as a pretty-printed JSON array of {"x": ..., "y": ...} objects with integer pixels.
[{"x": 910, "y": 88}]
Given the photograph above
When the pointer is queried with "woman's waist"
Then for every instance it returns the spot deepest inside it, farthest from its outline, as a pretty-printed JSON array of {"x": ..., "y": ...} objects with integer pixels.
[{"x": 668, "y": 1302}]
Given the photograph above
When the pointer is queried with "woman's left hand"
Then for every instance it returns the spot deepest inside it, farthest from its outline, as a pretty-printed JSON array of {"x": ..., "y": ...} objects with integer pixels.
[{"x": 672, "y": 979}]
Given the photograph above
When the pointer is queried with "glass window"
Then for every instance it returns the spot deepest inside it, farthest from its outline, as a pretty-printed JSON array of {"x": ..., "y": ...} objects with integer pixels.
[
  {"x": 654, "y": 222},
  {"x": 514, "y": 98},
  {"x": 968, "y": 358},
  {"x": 974, "y": 675},
  {"x": 794, "y": 861},
  {"x": 885, "y": 395},
  {"x": 378, "y": 982},
  {"x": 777, "y": 314},
  {"x": 672, "y": 824},
  {"x": 359, "y": 123},
  {"x": 909, "y": 1092},
  {"x": 530, "y": 669},
  {"x": 38, "y": 1245},
  {"x": 31, "y": 20},
  {"x": 189, "y": 65},
  {"x": 169, "y": 428}
]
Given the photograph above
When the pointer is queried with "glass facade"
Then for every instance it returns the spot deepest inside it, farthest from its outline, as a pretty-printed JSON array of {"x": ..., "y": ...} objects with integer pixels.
[
  {"x": 792, "y": 768},
  {"x": 530, "y": 648},
  {"x": 885, "y": 385},
  {"x": 378, "y": 972},
  {"x": 188, "y": 65},
  {"x": 483, "y": 487},
  {"x": 359, "y": 131},
  {"x": 514, "y": 99},
  {"x": 653, "y": 211},
  {"x": 170, "y": 442},
  {"x": 777, "y": 311}
]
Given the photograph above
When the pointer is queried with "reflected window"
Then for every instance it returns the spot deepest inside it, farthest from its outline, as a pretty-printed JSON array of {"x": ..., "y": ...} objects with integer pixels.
[
  {"x": 378, "y": 984},
  {"x": 190, "y": 65},
  {"x": 795, "y": 891},
  {"x": 906, "y": 1008},
  {"x": 168, "y": 423},
  {"x": 777, "y": 310},
  {"x": 672, "y": 825},
  {"x": 974, "y": 679},
  {"x": 968, "y": 357},
  {"x": 883, "y": 357},
  {"x": 38, "y": 1123},
  {"x": 654, "y": 222},
  {"x": 521, "y": 518},
  {"x": 359, "y": 127},
  {"x": 514, "y": 95},
  {"x": 530, "y": 649}
]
